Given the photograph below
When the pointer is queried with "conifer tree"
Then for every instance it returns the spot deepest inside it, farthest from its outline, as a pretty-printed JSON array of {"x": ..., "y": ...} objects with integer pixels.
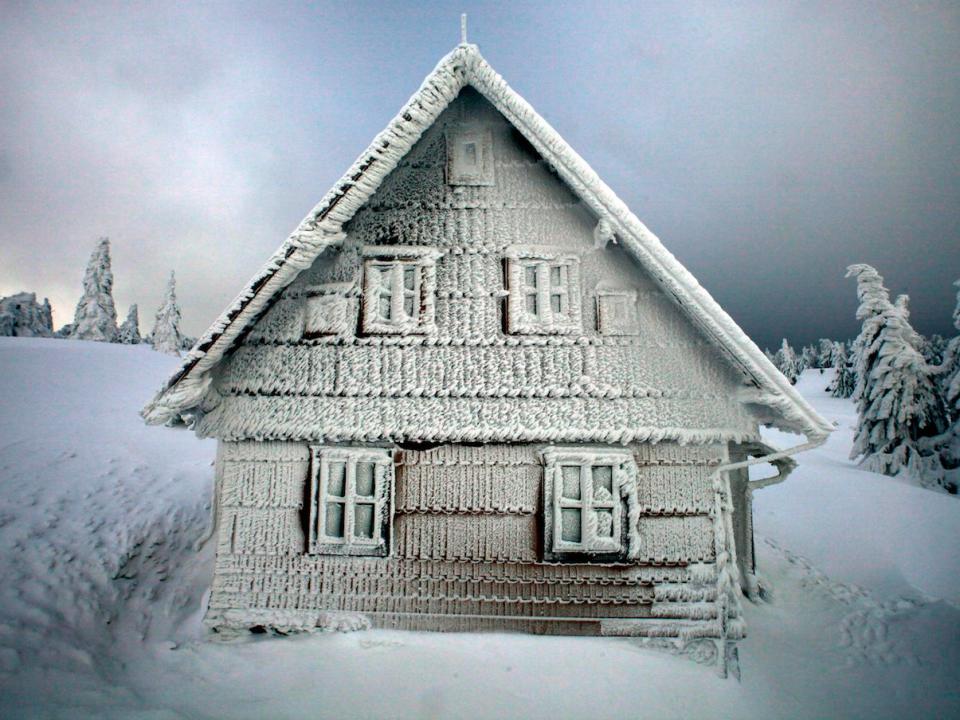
[
  {"x": 96, "y": 315},
  {"x": 844, "y": 380},
  {"x": 787, "y": 363},
  {"x": 825, "y": 355},
  {"x": 947, "y": 445},
  {"x": 129, "y": 333},
  {"x": 898, "y": 403},
  {"x": 166, "y": 337}
]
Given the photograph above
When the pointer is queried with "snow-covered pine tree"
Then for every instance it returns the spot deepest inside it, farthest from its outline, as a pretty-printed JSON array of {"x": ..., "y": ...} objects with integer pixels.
[
  {"x": 947, "y": 445},
  {"x": 899, "y": 405},
  {"x": 787, "y": 362},
  {"x": 874, "y": 300},
  {"x": 129, "y": 333},
  {"x": 934, "y": 348},
  {"x": 166, "y": 337},
  {"x": 825, "y": 355},
  {"x": 843, "y": 380},
  {"x": 809, "y": 357},
  {"x": 96, "y": 315}
]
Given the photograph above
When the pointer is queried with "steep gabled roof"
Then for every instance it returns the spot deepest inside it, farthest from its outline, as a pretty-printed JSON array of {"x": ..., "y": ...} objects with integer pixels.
[{"x": 323, "y": 227}]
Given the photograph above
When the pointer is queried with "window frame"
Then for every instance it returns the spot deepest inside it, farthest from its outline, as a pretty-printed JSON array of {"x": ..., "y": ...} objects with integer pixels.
[
  {"x": 327, "y": 310},
  {"x": 460, "y": 171},
  {"x": 322, "y": 457},
  {"x": 610, "y": 324},
  {"x": 591, "y": 546},
  {"x": 379, "y": 260},
  {"x": 544, "y": 320}
]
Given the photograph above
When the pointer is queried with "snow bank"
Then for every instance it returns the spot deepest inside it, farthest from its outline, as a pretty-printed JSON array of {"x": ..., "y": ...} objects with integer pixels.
[{"x": 101, "y": 589}]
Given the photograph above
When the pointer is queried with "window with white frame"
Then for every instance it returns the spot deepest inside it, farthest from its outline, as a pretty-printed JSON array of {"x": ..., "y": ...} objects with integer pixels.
[
  {"x": 399, "y": 287},
  {"x": 543, "y": 292},
  {"x": 583, "y": 504},
  {"x": 350, "y": 501}
]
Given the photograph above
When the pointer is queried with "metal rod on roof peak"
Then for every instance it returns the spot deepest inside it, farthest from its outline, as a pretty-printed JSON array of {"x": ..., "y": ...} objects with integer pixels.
[{"x": 463, "y": 28}]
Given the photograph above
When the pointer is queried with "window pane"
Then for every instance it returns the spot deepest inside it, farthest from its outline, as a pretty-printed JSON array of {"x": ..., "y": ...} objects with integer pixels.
[
  {"x": 408, "y": 277},
  {"x": 333, "y": 524},
  {"x": 603, "y": 482},
  {"x": 363, "y": 521},
  {"x": 336, "y": 476},
  {"x": 408, "y": 305},
  {"x": 571, "y": 481},
  {"x": 555, "y": 303},
  {"x": 570, "y": 525},
  {"x": 470, "y": 154},
  {"x": 532, "y": 304},
  {"x": 555, "y": 276},
  {"x": 365, "y": 479},
  {"x": 530, "y": 275},
  {"x": 383, "y": 306},
  {"x": 604, "y": 523}
]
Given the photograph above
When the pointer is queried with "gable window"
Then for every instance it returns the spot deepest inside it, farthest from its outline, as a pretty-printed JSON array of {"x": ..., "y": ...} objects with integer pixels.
[
  {"x": 350, "y": 501},
  {"x": 583, "y": 502},
  {"x": 617, "y": 312},
  {"x": 399, "y": 286},
  {"x": 327, "y": 310},
  {"x": 543, "y": 292},
  {"x": 470, "y": 156}
]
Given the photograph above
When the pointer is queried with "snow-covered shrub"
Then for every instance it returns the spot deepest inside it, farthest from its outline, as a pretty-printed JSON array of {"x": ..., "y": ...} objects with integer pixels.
[
  {"x": 898, "y": 403},
  {"x": 166, "y": 337},
  {"x": 96, "y": 315},
  {"x": 22, "y": 316}
]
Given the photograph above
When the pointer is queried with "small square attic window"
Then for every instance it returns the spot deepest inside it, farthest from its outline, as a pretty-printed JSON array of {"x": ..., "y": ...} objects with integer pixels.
[
  {"x": 470, "y": 156},
  {"x": 543, "y": 291},
  {"x": 617, "y": 312},
  {"x": 399, "y": 286}
]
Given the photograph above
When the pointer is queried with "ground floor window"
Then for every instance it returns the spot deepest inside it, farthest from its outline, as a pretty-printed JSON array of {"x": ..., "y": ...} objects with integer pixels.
[
  {"x": 350, "y": 500},
  {"x": 583, "y": 502}
]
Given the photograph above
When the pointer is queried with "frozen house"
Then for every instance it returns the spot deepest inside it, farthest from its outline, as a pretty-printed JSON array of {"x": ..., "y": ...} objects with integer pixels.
[{"x": 472, "y": 391}]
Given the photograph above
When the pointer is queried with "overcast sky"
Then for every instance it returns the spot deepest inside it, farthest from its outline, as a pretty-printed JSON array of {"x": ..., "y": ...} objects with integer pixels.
[{"x": 768, "y": 145}]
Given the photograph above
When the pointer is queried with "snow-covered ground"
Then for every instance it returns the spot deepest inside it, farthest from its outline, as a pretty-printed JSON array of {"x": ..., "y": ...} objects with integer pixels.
[{"x": 101, "y": 589}]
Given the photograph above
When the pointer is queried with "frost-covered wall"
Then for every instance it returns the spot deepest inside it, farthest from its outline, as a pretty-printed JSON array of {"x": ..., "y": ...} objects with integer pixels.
[
  {"x": 468, "y": 379},
  {"x": 465, "y": 547}
]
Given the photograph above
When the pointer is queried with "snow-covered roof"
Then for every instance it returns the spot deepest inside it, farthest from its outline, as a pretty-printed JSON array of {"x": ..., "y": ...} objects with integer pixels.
[{"x": 323, "y": 227}]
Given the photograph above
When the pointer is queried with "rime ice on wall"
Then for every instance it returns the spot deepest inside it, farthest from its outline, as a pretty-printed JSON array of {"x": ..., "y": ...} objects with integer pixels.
[{"x": 465, "y": 547}]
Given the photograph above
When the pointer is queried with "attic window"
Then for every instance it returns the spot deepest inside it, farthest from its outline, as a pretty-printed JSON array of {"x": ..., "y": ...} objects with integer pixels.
[
  {"x": 349, "y": 501},
  {"x": 617, "y": 312},
  {"x": 327, "y": 310},
  {"x": 543, "y": 292},
  {"x": 470, "y": 156},
  {"x": 583, "y": 504},
  {"x": 399, "y": 286}
]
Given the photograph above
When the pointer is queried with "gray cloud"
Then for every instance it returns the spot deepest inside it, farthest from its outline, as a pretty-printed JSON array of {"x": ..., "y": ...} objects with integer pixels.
[{"x": 768, "y": 145}]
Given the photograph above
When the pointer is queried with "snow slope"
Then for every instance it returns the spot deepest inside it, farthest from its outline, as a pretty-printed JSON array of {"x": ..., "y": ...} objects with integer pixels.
[{"x": 101, "y": 589}]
